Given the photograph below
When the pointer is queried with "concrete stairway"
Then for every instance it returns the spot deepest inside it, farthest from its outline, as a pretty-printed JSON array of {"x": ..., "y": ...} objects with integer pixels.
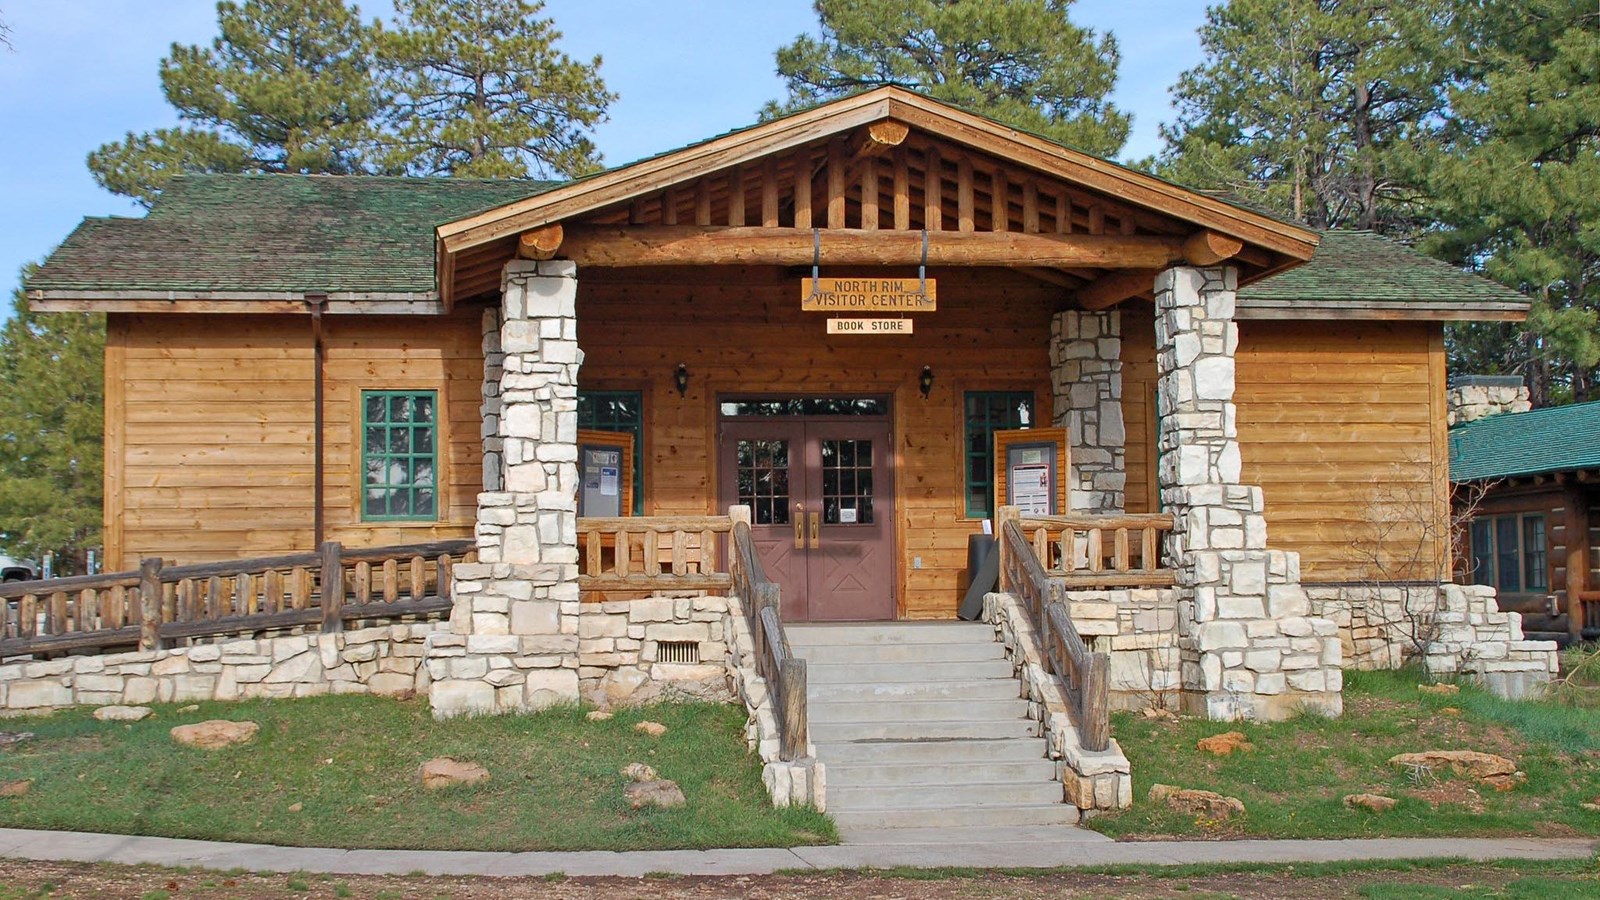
[{"x": 921, "y": 725}]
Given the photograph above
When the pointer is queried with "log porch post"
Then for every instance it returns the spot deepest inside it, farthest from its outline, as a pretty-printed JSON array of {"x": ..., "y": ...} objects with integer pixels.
[
  {"x": 513, "y": 640},
  {"x": 1248, "y": 643}
]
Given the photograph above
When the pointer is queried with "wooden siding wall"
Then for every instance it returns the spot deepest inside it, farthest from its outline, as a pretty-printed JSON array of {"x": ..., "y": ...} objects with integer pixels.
[
  {"x": 209, "y": 429},
  {"x": 742, "y": 331},
  {"x": 1342, "y": 424}
]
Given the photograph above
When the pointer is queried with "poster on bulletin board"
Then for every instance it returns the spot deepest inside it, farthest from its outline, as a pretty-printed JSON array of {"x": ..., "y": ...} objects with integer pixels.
[{"x": 1031, "y": 470}]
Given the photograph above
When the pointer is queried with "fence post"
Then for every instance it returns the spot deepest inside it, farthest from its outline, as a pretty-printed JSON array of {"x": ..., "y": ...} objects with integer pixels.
[
  {"x": 736, "y": 514},
  {"x": 150, "y": 603},
  {"x": 332, "y": 587},
  {"x": 793, "y": 740},
  {"x": 1002, "y": 516},
  {"x": 1094, "y": 714}
]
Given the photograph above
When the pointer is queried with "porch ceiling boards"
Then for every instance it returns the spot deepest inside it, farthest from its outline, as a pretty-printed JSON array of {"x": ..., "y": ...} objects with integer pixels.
[{"x": 870, "y": 174}]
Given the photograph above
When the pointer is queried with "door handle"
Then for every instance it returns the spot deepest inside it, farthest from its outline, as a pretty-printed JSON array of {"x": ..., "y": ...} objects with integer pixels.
[
  {"x": 799, "y": 526},
  {"x": 816, "y": 530}
]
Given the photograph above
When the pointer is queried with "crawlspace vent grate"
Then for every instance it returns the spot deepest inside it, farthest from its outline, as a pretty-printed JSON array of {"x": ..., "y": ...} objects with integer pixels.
[{"x": 678, "y": 652}]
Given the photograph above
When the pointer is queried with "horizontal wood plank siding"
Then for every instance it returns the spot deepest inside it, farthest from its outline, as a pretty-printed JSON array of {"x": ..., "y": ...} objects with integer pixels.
[{"x": 211, "y": 455}]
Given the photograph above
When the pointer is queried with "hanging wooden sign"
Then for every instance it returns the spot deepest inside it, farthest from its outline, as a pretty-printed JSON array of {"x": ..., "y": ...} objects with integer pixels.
[
  {"x": 869, "y": 326},
  {"x": 867, "y": 295}
]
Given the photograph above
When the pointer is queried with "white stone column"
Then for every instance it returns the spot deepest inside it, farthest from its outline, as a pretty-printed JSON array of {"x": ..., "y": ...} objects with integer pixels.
[
  {"x": 513, "y": 639},
  {"x": 1086, "y": 381},
  {"x": 1250, "y": 647}
]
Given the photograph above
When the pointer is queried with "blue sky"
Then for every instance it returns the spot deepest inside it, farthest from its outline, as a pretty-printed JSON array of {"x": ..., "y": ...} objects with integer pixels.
[{"x": 85, "y": 72}]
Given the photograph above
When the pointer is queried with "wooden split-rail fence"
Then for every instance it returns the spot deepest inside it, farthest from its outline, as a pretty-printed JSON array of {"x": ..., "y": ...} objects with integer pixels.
[{"x": 1043, "y": 557}]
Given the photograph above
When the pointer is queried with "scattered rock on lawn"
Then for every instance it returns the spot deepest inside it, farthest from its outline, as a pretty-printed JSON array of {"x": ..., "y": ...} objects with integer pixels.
[
  {"x": 13, "y": 738},
  {"x": 1592, "y": 807},
  {"x": 638, "y": 772},
  {"x": 1156, "y": 712},
  {"x": 122, "y": 713},
  {"x": 1224, "y": 743},
  {"x": 214, "y": 734},
  {"x": 1196, "y": 803},
  {"x": 1374, "y": 802},
  {"x": 193, "y": 707},
  {"x": 660, "y": 793},
  {"x": 16, "y": 788},
  {"x": 1496, "y": 771},
  {"x": 598, "y": 715},
  {"x": 1439, "y": 688},
  {"x": 296, "y": 807},
  {"x": 443, "y": 771},
  {"x": 1449, "y": 711},
  {"x": 654, "y": 729}
]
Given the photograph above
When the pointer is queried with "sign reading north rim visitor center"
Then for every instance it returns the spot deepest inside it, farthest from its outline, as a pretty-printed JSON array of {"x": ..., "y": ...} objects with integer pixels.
[
  {"x": 867, "y": 295},
  {"x": 869, "y": 326}
]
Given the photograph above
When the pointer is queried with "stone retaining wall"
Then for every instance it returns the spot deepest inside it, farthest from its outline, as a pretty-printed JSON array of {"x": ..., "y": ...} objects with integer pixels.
[
  {"x": 1091, "y": 780},
  {"x": 619, "y": 659},
  {"x": 385, "y": 660},
  {"x": 800, "y": 782},
  {"x": 1139, "y": 629},
  {"x": 1455, "y": 629}
]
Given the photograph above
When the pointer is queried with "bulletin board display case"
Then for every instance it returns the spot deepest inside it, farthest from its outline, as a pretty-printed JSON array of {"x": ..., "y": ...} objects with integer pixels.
[
  {"x": 1030, "y": 470},
  {"x": 605, "y": 473}
]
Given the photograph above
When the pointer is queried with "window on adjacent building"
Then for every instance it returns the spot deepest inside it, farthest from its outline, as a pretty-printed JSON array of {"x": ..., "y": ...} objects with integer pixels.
[
  {"x": 399, "y": 455},
  {"x": 618, "y": 411},
  {"x": 986, "y": 413},
  {"x": 1509, "y": 553}
]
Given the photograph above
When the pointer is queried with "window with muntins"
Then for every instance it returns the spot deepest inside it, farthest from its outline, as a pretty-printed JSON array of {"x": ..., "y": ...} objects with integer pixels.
[
  {"x": 399, "y": 455},
  {"x": 618, "y": 411},
  {"x": 985, "y": 413},
  {"x": 1510, "y": 553}
]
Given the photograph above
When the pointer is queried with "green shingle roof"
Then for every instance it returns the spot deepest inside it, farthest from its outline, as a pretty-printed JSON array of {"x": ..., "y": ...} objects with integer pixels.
[
  {"x": 1366, "y": 267},
  {"x": 1556, "y": 439},
  {"x": 276, "y": 233}
]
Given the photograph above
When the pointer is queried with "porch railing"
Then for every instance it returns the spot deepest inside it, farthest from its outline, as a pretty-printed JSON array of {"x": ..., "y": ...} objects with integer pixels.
[
  {"x": 158, "y": 604},
  {"x": 1101, "y": 551},
  {"x": 1085, "y": 675},
  {"x": 784, "y": 672},
  {"x": 648, "y": 553},
  {"x": 1588, "y": 614}
]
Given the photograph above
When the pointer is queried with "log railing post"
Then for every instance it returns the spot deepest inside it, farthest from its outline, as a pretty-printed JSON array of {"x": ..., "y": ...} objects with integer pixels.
[
  {"x": 793, "y": 739},
  {"x": 332, "y": 587},
  {"x": 1094, "y": 715},
  {"x": 1002, "y": 516},
  {"x": 150, "y": 604}
]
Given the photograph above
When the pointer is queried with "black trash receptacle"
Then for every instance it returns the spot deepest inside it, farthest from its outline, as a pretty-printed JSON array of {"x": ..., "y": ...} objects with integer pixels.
[{"x": 983, "y": 574}]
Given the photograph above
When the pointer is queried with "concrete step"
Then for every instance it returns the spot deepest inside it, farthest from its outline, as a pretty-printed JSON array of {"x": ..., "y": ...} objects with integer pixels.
[
  {"x": 898, "y": 653},
  {"x": 982, "y": 793},
  {"x": 906, "y": 672},
  {"x": 955, "y": 816},
  {"x": 849, "y": 775},
  {"x": 857, "y": 732},
  {"x": 814, "y": 635},
  {"x": 978, "y": 689},
  {"x": 930, "y": 753},
  {"x": 915, "y": 712},
  {"x": 974, "y": 835}
]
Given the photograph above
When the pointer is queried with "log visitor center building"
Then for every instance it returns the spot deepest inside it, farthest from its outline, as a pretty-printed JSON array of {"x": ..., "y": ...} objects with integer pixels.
[{"x": 662, "y": 418}]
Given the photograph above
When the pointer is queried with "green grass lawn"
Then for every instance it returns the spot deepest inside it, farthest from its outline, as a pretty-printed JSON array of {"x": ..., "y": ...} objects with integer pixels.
[
  {"x": 1294, "y": 782},
  {"x": 350, "y": 763}
]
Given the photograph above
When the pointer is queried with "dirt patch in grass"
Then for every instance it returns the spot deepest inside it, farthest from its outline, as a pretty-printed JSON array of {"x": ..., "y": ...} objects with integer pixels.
[
  {"x": 342, "y": 772},
  {"x": 1294, "y": 782},
  {"x": 1448, "y": 881}
]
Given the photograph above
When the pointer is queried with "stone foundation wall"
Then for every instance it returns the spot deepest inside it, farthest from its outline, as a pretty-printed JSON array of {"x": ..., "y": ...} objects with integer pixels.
[
  {"x": 1139, "y": 630},
  {"x": 385, "y": 660},
  {"x": 619, "y": 659},
  {"x": 1091, "y": 780},
  {"x": 800, "y": 782},
  {"x": 1454, "y": 629}
]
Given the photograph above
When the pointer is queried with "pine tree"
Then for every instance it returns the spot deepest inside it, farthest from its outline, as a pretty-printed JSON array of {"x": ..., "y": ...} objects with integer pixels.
[
  {"x": 1516, "y": 191},
  {"x": 286, "y": 87},
  {"x": 1022, "y": 62},
  {"x": 1302, "y": 105},
  {"x": 51, "y": 399},
  {"x": 482, "y": 91}
]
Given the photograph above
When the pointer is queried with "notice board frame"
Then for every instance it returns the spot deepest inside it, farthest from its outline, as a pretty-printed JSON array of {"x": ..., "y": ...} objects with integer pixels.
[
  {"x": 1011, "y": 442},
  {"x": 608, "y": 440}
]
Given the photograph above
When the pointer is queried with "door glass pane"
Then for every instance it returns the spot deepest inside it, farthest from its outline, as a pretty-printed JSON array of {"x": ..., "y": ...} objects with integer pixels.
[
  {"x": 847, "y": 482},
  {"x": 1506, "y": 561},
  {"x": 807, "y": 406},
  {"x": 763, "y": 480}
]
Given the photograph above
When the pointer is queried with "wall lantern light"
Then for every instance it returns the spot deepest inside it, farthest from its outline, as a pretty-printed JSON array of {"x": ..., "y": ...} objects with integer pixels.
[
  {"x": 680, "y": 378},
  {"x": 925, "y": 382}
]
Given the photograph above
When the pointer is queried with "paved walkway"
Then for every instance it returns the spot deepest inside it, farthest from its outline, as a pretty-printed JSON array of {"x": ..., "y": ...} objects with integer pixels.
[{"x": 999, "y": 848}]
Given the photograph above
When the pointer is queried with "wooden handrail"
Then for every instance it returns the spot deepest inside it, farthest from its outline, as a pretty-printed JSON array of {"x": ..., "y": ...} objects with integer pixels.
[
  {"x": 785, "y": 673},
  {"x": 158, "y": 604},
  {"x": 1084, "y": 674}
]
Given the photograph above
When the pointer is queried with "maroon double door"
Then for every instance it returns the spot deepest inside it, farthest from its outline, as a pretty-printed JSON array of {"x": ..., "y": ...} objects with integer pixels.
[{"x": 821, "y": 499}]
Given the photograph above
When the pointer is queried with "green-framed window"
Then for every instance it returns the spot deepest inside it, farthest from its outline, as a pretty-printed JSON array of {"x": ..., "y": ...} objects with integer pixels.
[
  {"x": 399, "y": 456},
  {"x": 985, "y": 413},
  {"x": 1511, "y": 553},
  {"x": 618, "y": 411}
]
